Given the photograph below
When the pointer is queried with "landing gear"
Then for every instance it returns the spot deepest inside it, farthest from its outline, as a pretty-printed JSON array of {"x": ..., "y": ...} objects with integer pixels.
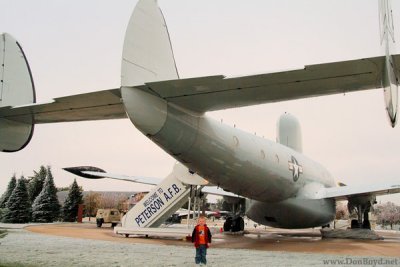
[
  {"x": 366, "y": 224},
  {"x": 99, "y": 222},
  {"x": 234, "y": 224},
  {"x": 354, "y": 224},
  {"x": 238, "y": 224},
  {"x": 362, "y": 221},
  {"x": 228, "y": 224},
  {"x": 326, "y": 226}
]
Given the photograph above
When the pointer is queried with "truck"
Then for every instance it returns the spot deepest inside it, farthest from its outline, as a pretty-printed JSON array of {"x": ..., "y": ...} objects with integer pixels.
[{"x": 108, "y": 216}]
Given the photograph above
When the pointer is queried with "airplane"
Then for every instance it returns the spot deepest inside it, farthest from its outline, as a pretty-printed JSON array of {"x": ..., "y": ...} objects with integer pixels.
[{"x": 284, "y": 187}]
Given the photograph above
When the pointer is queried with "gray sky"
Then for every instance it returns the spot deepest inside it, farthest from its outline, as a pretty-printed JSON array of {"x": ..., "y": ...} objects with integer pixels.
[{"x": 75, "y": 47}]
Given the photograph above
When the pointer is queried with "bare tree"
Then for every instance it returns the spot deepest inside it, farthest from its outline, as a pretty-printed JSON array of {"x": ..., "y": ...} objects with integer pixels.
[
  {"x": 91, "y": 202},
  {"x": 387, "y": 214},
  {"x": 111, "y": 200},
  {"x": 342, "y": 212}
]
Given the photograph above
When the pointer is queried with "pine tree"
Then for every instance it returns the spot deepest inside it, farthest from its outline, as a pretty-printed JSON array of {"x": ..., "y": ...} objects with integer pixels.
[
  {"x": 4, "y": 198},
  {"x": 46, "y": 208},
  {"x": 74, "y": 198},
  {"x": 36, "y": 183},
  {"x": 18, "y": 207}
]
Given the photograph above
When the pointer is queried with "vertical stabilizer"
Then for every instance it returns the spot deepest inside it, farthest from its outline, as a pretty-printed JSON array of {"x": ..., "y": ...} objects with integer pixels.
[
  {"x": 390, "y": 72},
  {"x": 147, "y": 57},
  {"x": 16, "y": 88},
  {"x": 289, "y": 132},
  {"x": 147, "y": 54}
]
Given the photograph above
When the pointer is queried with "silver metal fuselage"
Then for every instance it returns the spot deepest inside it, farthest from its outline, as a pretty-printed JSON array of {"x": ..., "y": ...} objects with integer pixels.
[{"x": 247, "y": 165}]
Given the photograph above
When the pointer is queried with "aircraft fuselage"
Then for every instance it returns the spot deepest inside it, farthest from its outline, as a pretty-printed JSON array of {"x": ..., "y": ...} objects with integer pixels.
[{"x": 262, "y": 170}]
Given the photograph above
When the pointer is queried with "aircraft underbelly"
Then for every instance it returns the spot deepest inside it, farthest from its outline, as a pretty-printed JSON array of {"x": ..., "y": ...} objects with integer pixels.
[{"x": 293, "y": 213}]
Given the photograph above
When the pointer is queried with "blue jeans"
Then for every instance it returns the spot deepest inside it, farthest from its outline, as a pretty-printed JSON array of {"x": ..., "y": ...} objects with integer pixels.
[{"x": 201, "y": 253}]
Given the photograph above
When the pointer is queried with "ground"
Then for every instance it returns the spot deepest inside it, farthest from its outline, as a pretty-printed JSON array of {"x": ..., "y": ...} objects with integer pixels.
[{"x": 87, "y": 245}]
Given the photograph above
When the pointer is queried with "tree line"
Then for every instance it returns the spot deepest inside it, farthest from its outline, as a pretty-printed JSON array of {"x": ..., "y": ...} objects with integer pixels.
[
  {"x": 387, "y": 214},
  {"x": 35, "y": 199}
]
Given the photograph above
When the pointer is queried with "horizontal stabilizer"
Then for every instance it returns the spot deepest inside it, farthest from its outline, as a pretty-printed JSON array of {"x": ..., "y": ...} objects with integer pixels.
[
  {"x": 218, "y": 92},
  {"x": 100, "y": 105},
  {"x": 214, "y": 92}
]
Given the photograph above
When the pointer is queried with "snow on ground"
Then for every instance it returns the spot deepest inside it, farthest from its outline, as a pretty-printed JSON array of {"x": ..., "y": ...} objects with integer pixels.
[
  {"x": 27, "y": 248},
  {"x": 16, "y": 225}
]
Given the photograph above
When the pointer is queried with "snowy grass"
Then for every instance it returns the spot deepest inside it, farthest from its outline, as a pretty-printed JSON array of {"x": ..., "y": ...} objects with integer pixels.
[
  {"x": 3, "y": 233},
  {"x": 24, "y": 248},
  {"x": 11, "y": 264}
]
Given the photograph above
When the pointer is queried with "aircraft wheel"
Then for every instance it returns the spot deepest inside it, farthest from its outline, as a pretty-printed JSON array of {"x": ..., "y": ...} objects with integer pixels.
[
  {"x": 354, "y": 224},
  {"x": 113, "y": 225},
  {"x": 99, "y": 222},
  {"x": 228, "y": 224},
  {"x": 238, "y": 224},
  {"x": 366, "y": 224}
]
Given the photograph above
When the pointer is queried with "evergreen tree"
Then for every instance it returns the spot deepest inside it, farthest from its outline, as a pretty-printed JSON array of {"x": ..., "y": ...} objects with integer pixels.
[
  {"x": 18, "y": 207},
  {"x": 71, "y": 203},
  {"x": 46, "y": 208},
  {"x": 36, "y": 183},
  {"x": 10, "y": 188}
]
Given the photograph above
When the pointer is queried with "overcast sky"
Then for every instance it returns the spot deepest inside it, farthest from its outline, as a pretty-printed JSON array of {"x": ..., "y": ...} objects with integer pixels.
[{"x": 75, "y": 47}]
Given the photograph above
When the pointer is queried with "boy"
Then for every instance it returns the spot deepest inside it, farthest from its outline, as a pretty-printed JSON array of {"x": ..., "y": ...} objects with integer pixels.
[{"x": 201, "y": 237}]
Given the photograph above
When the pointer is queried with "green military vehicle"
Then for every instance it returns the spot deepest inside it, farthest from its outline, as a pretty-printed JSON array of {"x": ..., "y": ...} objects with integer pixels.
[{"x": 108, "y": 216}]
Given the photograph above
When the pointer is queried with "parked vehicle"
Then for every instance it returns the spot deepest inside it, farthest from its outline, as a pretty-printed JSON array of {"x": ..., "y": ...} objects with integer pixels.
[{"x": 108, "y": 216}]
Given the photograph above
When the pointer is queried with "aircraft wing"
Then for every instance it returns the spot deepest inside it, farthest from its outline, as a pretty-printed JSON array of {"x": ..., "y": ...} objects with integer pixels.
[
  {"x": 218, "y": 191},
  {"x": 97, "y": 173},
  {"x": 348, "y": 192},
  {"x": 218, "y": 92},
  {"x": 98, "y": 105}
]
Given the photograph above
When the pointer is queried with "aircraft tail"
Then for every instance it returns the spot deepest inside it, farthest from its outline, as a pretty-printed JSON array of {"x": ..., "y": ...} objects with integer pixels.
[
  {"x": 147, "y": 55},
  {"x": 390, "y": 75},
  {"x": 16, "y": 88}
]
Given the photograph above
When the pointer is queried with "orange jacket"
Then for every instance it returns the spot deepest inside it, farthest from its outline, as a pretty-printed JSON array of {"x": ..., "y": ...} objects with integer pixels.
[{"x": 196, "y": 237}]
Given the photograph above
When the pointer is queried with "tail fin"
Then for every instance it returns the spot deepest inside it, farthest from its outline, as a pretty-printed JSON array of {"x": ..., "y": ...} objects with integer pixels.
[
  {"x": 147, "y": 57},
  {"x": 390, "y": 79},
  {"x": 16, "y": 88},
  {"x": 289, "y": 132},
  {"x": 147, "y": 54}
]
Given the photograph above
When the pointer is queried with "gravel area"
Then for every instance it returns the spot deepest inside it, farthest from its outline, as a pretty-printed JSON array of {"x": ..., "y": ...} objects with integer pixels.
[{"x": 21, "y": 247}]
